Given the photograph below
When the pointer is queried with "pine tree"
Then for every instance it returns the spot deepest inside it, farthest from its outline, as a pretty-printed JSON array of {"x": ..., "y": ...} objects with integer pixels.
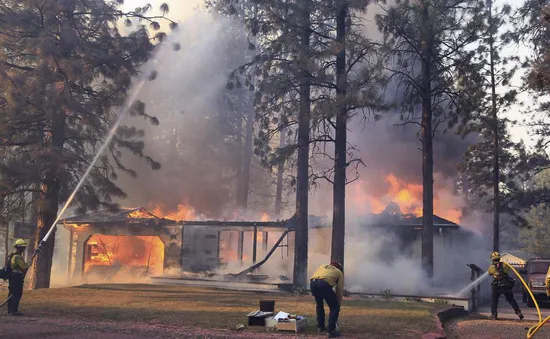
[
  {"x": 427, "y": 50},
  {"x": 65, "y": 71},
  {"x": 334, "y": 99},
  {"x": 491, "y": 80}
]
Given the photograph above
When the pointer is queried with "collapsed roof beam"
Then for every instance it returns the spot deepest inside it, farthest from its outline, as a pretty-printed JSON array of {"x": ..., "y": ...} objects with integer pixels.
[{"x": 255, "y": 266}]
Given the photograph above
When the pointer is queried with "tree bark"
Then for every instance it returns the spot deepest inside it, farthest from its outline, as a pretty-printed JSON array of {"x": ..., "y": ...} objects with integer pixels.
[
  {"x": 7, "y": 241},
  {"x": 280, "y": 172},
  {"x": 339, "y": 186},
  {"x": 496, "y": 162},
  {"x": 302, "y": 180},
  {"x": 247, "y": 161},
  {"x": 34, "y": 215},
  {"x": 48, "y": 205},
  {"x": 427, "y": 149},
  {"x": 239, "y": 161}
]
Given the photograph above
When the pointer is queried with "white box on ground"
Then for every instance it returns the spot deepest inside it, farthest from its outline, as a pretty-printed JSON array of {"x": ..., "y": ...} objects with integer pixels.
[{"x": 293, "y": 325}]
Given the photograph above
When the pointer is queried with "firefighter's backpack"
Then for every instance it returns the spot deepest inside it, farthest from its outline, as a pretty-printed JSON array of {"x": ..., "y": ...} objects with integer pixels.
[{"x": 6, "y": 271}]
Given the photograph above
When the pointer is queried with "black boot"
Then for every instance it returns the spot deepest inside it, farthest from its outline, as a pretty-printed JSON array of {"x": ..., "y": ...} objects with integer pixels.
[
  {"x": 494, "y": 316},
  {"x": 520, "y": 315}
]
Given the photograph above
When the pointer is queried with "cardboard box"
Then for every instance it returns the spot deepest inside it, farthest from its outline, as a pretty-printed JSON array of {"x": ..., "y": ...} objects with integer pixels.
[{"x": 292, "y": 326}]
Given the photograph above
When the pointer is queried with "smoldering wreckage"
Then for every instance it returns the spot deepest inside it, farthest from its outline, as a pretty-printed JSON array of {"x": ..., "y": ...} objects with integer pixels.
[{"x": 135, "y": 245}]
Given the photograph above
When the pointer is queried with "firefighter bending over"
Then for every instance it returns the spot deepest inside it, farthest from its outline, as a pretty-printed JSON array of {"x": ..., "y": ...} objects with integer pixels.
[
  {"x": 19, "y": 269},
  {"x": 323, "y": 281},
  {"x": 502, "y": 284}
]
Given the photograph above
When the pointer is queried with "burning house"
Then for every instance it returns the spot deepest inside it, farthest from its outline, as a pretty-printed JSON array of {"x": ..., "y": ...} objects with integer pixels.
[
  {"x": 405, "y": 230},
  {"x": 136, "y": 243}
]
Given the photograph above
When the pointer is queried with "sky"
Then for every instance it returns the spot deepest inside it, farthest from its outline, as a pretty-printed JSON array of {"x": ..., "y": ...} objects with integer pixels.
[{"x": 180, "y": 10}]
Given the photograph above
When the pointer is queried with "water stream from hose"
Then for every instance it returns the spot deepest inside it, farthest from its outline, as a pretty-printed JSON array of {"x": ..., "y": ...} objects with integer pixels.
[
  {"x": 472, "y": 284},
  {"x": 102, "y": 149}
]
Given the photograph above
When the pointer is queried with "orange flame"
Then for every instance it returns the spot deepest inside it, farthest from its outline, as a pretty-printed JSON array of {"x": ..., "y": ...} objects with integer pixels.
[
  {"x": 183, "y": 213},
  {"x": 265, "y": 217},
  {"x": 407, "y": 196},
  {"x": 146, "y": 252},
  {"x": 139, "y": 213}
]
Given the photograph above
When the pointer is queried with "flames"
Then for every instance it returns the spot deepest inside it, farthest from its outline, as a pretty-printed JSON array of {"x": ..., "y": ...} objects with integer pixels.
[
  {"x": 143, "y": 252},
  {"x": 183, "y": 213},
  {"x": 408, "y": 196}
]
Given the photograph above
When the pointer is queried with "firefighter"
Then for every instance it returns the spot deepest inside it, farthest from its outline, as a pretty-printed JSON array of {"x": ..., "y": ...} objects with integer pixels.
[
  {"x": 502, "y": 284},
  {"x": 19, "y": 269},
  {"x": 322, "y": 285}
]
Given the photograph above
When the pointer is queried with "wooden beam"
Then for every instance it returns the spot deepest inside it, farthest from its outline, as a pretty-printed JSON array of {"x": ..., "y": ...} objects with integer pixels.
[
  {"x": 254, "y": 245},
  {"x": 240, "y": 245},
  {"x": 255, "y": 266}
]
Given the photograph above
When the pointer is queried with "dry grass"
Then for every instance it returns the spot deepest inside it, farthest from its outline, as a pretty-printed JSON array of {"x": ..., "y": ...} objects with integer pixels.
[{"x": 210, "y": 308}]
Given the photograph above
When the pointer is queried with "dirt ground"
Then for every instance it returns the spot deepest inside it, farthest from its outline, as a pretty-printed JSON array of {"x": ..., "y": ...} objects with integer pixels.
[
  {"x": 482, "y": 328},
  {"x": 148, "y": 311},
  {"x": 479, "y": 326},
  {"x": 32, "y": 327}
]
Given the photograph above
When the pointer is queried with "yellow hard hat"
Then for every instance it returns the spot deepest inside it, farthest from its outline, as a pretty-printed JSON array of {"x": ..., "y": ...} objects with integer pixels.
[
  {"x": 21, "y": 243},
  {"x": 495, "y": 256}
]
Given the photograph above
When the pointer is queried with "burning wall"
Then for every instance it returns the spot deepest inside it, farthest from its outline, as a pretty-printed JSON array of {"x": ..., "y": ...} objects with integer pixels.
[
  {"x": 114, "y": 256},
  {"x": 113, "y": 245}
]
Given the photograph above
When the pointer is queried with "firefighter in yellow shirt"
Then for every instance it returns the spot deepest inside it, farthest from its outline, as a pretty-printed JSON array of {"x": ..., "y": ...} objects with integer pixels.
[
  {"x": 502, "y": 284},
  {"x": 322, "y": 285},
  {"x": 18, "y": 268},
  {"x": 548, "y": 283}
]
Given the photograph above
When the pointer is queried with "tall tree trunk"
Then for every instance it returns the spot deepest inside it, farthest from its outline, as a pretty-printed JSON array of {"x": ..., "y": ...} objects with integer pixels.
[
  {"x": 427, "y": 149},
  {"x": 302, "y": 180},
  {"x": 34, "y": 214},
  {"x": 239, "y": 160},
  {"x": 339, "y": 186},
  {"x": 7, "y": 242},
  {"x": 48, "y": 205},
  {"x": 247, "y": 161},
  {"x": 496, "y": 164},
  {"x": 280, "y": 173}
]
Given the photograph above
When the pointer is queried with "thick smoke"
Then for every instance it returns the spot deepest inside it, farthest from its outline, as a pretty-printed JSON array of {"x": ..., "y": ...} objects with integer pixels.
[{"x": 194, "y": 140}]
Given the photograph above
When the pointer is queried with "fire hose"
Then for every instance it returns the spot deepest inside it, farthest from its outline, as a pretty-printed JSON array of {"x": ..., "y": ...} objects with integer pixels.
[{"x": 534, "y": 329}]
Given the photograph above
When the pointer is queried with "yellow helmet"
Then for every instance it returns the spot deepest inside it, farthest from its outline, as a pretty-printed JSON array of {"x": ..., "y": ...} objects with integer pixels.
[
  {"x": 495, "y": 256},
  {"x": 21, "y": 243}
]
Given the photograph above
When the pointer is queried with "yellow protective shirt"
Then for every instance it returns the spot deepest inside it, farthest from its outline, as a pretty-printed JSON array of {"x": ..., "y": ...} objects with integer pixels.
[
  {"x": 18, "y": 264},
  {"x": 333, "y": 276},
  {"x": 493, "y": 271},
  {"x": 548, "y": 282}
]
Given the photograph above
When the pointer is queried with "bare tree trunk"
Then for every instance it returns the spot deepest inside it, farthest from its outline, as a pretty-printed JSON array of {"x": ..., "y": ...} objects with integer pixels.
[
  {"x": 496, "y": 163},
  {"x": 247, "y": 158},
  {"x": 34, "y": 214},
  {"x": 280, "y": 173},
  {"x": 339, "y": 186},
  {"x": 302, "y": 180},
  {"x": 239, "y": 160},
  {"x": 7, "y": 241},
  {"x": 427, "y": 150},
  {"x": 48, "y": 205}
]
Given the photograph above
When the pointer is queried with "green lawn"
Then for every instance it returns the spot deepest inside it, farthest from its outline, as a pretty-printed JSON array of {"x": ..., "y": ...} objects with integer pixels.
[{"x": 210, "y": 308}]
